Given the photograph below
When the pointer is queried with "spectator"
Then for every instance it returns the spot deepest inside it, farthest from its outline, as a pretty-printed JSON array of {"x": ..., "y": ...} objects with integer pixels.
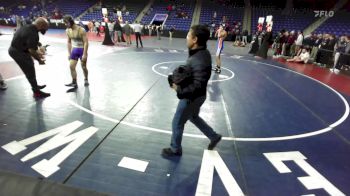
[
  {"x": 171, "y": 31},
  {"x": 290, "y": 41},
  {"x": 245, "y": 36},
  {"x": 325, "y": 52},
  {"x": 150, "y": 30},
  {"x": 118, "y": 31},
  {"x": 138, "y": 29},
  {"x": 344, "y": 58},
  {"x": 110, "y": 25},
  {"x": 299, "y": 41},
  {"x": 238, "y": 35},
  {"x": 97, "y": 27},
  {"x": 159, "y": 30},
  {"x": 127, "y": 31},
  {"x": 212, "y": 30},
  {"x": 302, "y": 56},
  {"x": 315, "y": 46}
]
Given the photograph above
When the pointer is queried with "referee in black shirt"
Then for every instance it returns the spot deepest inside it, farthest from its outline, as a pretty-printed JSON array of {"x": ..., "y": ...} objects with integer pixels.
[{"x": 24, "y": 46}]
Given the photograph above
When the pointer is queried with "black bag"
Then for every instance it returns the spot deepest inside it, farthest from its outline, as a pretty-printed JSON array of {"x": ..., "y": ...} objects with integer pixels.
[{"x": 180, "y": 76}]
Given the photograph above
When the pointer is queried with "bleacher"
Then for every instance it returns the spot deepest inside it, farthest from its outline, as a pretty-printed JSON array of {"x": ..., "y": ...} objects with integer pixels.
[
  {"x": 232, "y": 13},
  {"x": 7, "y": 5},
  {"x": 339, "y": 24},
  {"x": 180, "y": 23},
  {"x": 74, "y": 8},
  {"x": 22, "y": 12},
  {"x": 297, "y": 20},
  {"x": 133, "y": 7}
]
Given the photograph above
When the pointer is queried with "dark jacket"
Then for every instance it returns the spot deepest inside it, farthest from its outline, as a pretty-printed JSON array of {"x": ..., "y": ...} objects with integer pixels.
[
  {"x": 117, "y": 27},
  {"x": 200, "y": 62}
]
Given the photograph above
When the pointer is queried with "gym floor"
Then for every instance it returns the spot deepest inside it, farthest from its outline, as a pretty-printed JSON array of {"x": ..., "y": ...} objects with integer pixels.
[{"x": 285, "y": 126}]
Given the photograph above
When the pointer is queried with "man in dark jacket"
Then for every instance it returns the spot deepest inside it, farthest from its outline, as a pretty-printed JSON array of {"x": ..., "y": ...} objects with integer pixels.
[
  {"x": 118, "y": 30},
  {"x": 24, "y": 47},
  {"x": 193, "y": 94}
]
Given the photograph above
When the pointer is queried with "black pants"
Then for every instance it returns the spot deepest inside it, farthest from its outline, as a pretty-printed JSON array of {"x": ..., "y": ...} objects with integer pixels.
[
  {"x": 138, "y": 37},
  {"x": 344, "y": 59},
  {"x": 324, "y": 56},
  {"x": 26, "y": 63}
]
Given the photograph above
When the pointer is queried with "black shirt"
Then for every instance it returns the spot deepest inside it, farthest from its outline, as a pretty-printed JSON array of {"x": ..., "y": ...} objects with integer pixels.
[
  {"x": 117, "y": 27},
  {"x": 25, "y": 37},
  {"x": 245, "y": 33}
]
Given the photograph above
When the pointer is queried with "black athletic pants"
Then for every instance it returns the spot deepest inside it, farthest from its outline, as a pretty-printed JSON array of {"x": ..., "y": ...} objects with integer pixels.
[
  {"x": 344, "y": 59},
  {"x": 26, "y": 63},
  {"x": 138, "y": 37}
]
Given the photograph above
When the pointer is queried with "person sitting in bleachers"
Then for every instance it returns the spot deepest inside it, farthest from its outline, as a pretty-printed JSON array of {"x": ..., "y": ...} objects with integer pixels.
[
  {"x": 184, "y": 15},
  {"x": 302, "y": 57}
]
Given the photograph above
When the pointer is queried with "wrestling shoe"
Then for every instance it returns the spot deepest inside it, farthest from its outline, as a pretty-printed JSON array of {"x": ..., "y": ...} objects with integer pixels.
[{"x": 73, "y": 85}]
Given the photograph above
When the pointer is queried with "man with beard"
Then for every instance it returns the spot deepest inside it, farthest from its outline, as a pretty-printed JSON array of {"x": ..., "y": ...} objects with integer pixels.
[
  {"x": 24, "y": 46},
  {"x": 77, "y": 49}
]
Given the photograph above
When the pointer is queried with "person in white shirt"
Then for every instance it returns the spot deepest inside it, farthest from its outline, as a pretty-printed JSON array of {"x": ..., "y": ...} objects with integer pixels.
[
  {"x": 171, "y": 31},
  {"x": 97, "y": 28},
  {"x": 110, "y": 25},
  {"x": 304, "y": 56},
  {"x": 150, "y": 28},
  {"x": 299, "y": 42},
  {"x": 137, "y": 30}
]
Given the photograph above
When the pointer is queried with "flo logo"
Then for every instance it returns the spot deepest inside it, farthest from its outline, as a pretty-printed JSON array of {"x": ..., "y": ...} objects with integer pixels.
[
  {"x": 321, "y": 13},
  {"x": 60, "y": 136}
]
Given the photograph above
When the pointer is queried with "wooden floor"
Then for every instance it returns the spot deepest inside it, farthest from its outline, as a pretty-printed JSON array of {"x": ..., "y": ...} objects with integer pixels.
[{"x": 285, "y": 126}]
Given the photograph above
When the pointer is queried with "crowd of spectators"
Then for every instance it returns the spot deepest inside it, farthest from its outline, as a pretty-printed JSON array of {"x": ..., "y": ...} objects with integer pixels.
[
  {"x": 324, "y": 50},
  {"x": 176, "y": 7}
]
